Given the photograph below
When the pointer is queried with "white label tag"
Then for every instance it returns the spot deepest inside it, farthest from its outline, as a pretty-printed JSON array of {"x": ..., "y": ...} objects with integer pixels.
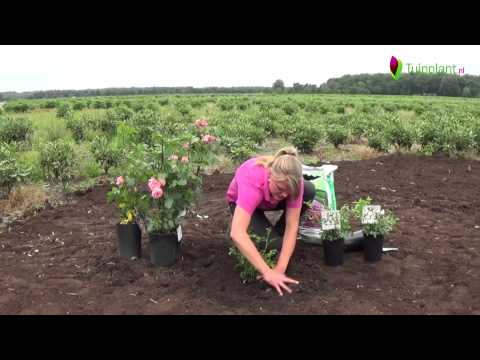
[
  {"x": 370, "y": 214},
  {"x": 179, "y": 233},
  {"x": 331, "y": 220}
]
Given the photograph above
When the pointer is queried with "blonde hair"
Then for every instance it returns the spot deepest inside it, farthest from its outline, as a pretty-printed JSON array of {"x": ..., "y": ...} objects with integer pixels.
[{"x": 285, "y": 165}]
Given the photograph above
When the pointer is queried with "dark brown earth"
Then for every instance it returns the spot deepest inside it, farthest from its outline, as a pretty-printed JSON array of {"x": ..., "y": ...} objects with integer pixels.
[{"x": 64, "y": 260}]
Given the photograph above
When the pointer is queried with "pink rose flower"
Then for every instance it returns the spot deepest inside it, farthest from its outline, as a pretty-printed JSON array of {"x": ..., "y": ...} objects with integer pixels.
[
  {"x": 206, "y": 139},
  {"x": 184, "y": 159},
  {"x": 201, "y": 123},
  {"x": 157, "y": 193},
  {"x": 154, "y": 183},
  {"x": 120, "y": 181},
  {"x": 186, "y": 146}
]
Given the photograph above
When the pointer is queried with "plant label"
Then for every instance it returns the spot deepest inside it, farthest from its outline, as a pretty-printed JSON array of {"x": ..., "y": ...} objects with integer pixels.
[
  {"x": 370, "y": 214},
  {"x": 331, "y": 220},
  {"x": 179, "y": 233}
]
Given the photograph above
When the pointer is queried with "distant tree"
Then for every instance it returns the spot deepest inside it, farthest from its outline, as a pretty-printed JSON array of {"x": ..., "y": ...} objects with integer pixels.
[
  {"x": 466, "y": 92},
  {"x": 449, "y": 86},
  {"x": 278, "y": 86},
  {"x": 297, "y": 87}
]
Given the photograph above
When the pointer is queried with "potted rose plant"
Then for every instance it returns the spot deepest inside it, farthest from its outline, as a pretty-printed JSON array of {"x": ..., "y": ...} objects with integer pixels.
[
  {"x": 125, "y": 195},
  {"x": 160, "y": 181},
  {"x": 169, "y": 172},
  {"x": 171, "y": 193},
  {"x": 376, "y": 223}
]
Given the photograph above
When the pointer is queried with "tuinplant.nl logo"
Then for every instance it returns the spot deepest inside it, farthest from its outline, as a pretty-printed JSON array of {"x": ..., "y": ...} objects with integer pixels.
[{"x": 395, "y": 67}]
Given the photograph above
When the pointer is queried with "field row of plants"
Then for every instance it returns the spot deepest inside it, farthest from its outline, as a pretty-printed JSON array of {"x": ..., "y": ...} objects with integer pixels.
[
  {"x": 69, "y": 141},
  {"x": 290, "y": 103}
]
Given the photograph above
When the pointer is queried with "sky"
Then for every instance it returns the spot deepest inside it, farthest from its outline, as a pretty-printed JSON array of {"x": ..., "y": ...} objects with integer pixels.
[{"x": 76, "y": 67}]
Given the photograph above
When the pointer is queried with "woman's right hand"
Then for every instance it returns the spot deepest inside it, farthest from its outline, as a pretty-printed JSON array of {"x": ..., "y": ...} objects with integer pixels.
[{"x": 278, "y": 281}]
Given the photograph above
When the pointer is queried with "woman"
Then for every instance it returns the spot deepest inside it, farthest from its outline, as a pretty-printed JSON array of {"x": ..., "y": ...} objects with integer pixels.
[{"x": 262, "y": 184}]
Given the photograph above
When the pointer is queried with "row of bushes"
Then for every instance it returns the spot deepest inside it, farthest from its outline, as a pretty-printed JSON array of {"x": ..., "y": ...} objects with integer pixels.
[
  {"x": 240, "y": 132},
  {"x": 116, "y": 132}
]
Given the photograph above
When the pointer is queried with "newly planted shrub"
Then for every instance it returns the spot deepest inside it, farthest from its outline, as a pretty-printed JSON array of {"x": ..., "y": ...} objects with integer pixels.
[{"x": 248, "y": 272}]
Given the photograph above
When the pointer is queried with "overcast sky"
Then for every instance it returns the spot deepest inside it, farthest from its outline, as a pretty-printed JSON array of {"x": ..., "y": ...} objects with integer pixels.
[{"x": 47, "y": 67}]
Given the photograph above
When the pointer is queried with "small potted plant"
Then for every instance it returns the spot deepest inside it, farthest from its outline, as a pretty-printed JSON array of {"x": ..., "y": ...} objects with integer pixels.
[
  {"x": 335, "y": 228},
  {"x": 376, "y": 223},
  {"x": 125, "y": 195}
]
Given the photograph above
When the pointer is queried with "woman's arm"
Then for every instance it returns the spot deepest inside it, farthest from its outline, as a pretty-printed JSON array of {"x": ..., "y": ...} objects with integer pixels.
[
  {"x": 240, "y": 222},
  {"x": 239, "y": 234},
  {"x": 289, "y": 238}
]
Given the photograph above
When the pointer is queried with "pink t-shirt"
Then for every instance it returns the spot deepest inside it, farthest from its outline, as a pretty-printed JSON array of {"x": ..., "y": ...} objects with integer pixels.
[{"x": 249, "y": 189}]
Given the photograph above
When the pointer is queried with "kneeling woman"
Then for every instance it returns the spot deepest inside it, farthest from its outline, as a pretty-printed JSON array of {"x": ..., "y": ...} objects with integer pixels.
[{"x": 269, "y": 183}]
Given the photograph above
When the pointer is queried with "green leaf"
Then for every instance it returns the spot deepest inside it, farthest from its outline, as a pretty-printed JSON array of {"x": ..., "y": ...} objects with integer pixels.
[{"x": 168, "y": 203}]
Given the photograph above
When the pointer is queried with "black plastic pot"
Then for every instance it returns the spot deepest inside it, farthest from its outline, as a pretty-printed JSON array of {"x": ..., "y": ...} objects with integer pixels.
[
  {"x": 333, "y": 251},
  {"x": 129, "y": 240},
  {"x": 164, "y": 249},
  {"x": 372, "y": 248}
]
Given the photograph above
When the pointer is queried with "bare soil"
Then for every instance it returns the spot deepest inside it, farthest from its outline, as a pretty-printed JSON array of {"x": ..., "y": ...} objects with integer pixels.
[{"x": 64, "y": 260}]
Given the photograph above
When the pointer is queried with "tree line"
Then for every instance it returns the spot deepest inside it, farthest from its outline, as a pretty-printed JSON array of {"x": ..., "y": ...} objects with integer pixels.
[{"x": 378, "y": 84}]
